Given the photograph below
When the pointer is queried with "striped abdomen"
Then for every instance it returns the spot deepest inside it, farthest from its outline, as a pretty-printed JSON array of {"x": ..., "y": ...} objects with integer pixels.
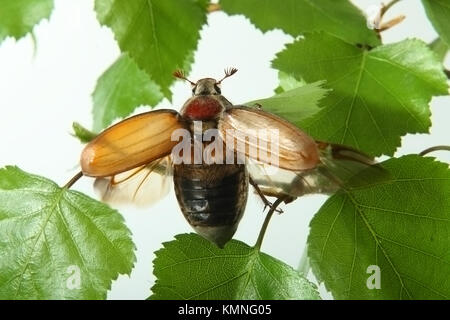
[{"x": 212, "y": 198}]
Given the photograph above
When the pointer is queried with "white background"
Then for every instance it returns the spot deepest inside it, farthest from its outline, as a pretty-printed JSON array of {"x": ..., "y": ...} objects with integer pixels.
[{"x": 42, "y": 92}]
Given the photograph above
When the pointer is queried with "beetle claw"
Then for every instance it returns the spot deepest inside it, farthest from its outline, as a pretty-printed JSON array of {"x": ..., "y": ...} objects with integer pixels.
[
  {"x": 266, "y": 202},
  {"x": 270, "y": 205}
]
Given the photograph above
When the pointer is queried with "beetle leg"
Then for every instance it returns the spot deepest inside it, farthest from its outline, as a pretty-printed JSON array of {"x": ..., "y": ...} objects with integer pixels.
[{"x": 266, "y": 202}]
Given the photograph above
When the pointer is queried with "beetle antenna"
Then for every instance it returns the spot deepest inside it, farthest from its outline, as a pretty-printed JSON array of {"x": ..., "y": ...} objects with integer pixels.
[
  {"x": 180, "y": 75},
  {"x": 228, "y": 73}
]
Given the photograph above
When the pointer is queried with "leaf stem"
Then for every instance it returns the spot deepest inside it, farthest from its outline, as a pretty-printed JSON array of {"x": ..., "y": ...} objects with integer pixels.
[
  {"x": 262, "y": 232},
  {"x": 303, "y": 265},
  {"x": 73, "y": 180},
  {"x": 35, "y": 45},
  {"x": 435, "y": 148},
  {"x": 83, "y": 134},
  {"x": 212, "y": 7}
]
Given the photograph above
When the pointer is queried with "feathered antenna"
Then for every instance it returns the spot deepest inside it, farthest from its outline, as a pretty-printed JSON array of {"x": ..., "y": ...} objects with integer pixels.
[
  {"x": 228, "y": 73},
  {"x": 180, "y": 75}
]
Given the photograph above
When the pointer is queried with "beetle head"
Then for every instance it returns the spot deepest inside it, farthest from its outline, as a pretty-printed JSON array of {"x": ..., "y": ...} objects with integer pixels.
[{"x": 205, "y": 86}]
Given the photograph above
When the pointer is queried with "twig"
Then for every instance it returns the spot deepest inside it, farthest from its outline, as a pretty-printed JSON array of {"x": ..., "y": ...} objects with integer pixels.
[
  {"x": 435, "y": 148},
  {"x": 267, "y": 220},
  {"x": 212, "y": 7},
  {"x": 73, "y": 180},
  {"x": 391, "y": 23},
  {"x": 388, "y": 6}
]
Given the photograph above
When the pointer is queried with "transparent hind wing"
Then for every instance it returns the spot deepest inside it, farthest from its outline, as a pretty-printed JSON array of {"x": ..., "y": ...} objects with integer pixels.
[
  {"x": 142, "y": 186},
  {"x": 276, "y": 182},
  {"x": 339, "y": 166}
]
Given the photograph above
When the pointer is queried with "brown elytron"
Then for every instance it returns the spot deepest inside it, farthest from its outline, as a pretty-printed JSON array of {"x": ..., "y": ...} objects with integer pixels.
[{"x": 132, "y": 158}]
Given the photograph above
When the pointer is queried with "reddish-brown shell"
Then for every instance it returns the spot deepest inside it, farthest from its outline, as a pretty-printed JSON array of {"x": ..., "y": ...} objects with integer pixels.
[
  {"x": 296, "y": 150},
  {"x": 202, "y": 108},
  {"x": 131, "y": 143}
]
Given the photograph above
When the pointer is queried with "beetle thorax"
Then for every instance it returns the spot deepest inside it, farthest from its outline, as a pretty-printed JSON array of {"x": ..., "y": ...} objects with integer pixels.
[
  {"x": 206, "y": 103},
  {"x": 202, "y": 108}
]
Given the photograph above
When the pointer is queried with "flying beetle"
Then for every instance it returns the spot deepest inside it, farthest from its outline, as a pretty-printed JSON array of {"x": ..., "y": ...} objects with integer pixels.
[{"x": 133, "y": 160}]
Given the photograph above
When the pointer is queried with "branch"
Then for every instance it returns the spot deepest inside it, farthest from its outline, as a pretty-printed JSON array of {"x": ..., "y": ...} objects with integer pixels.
[
  {"x": 388, "y": 6},
  {"x": 213, "y": 7},
  {"x": 391, "y": 23},
  {"x": 435, "y": 148}
]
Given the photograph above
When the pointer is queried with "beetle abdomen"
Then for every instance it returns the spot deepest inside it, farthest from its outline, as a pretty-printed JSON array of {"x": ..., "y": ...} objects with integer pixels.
[{"x": 212, "y": 198}]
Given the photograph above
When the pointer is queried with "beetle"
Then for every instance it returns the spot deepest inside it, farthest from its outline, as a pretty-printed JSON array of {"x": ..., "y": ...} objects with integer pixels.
[{"x": 133, "y": 159}]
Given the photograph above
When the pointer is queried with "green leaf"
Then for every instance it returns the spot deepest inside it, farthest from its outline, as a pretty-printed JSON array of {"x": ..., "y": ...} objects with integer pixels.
[
  {"x": 18, "y": 17},
  {"x": 378, "y": 95},
  {"x": 287, "y": 82},
  {"x": 158, "y": 34},
  {"x": 438, "y": 11},
  {"x": 50, "y": 235},
  {"x": 401, "y": 225},
  {"x": 295, "y": 104},
  {"x": 83, "y": 134},
  {"x": 120, "y": 90},
  {"x": 190, "y": 267},
  {"x": 337, "y": 17},
  {"x": 440, "y": 48}
]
